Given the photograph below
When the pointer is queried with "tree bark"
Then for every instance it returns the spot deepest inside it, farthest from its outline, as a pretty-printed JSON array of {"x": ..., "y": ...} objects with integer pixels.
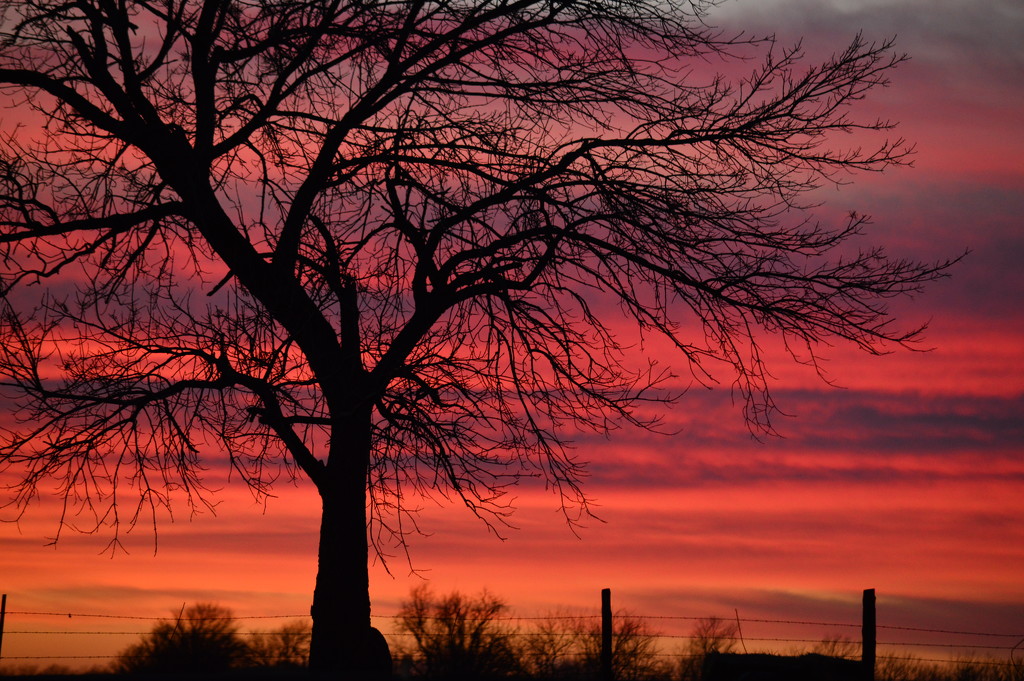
[
  {"x": 341, "y": 599},
  {"x": 343, "y": 640}
]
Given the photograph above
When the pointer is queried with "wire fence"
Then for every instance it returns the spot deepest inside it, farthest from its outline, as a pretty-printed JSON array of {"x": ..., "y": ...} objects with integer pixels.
[{"x": 96, "y": 646}]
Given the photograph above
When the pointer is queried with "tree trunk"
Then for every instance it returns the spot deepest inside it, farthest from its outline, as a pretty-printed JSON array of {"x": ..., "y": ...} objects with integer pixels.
[{"x": 343, "y": 641}]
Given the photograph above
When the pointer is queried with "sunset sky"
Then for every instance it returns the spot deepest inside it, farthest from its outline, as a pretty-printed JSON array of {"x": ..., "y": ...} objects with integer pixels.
[{"x": 907, "y": 476}]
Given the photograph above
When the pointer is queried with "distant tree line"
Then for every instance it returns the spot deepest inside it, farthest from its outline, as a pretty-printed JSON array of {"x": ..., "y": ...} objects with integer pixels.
[
  {"x": 206, "y": 638},
  {"x": 459, "y": 637},
  {"x": 472, "y": 637}
]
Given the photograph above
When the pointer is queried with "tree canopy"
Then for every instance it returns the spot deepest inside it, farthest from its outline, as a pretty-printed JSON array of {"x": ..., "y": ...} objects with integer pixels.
[{"x": 388, "y": 245}]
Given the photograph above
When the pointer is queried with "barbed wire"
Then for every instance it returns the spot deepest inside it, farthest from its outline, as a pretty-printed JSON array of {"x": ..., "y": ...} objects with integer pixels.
[
  {"x": 732, "y": 618},
  {"x": 550, "y": 618},
  {"x": 57, "y": 657},
  {"x": 899, "y": 644},
  {"x": 566, "y": 617},
  {"x": 126, "y": 633},
  {"x": 71, "y": 615},
  {"x": 949, "y": 631},
  {"x": 987, "y": 663},
  {"x": 984, "y": 662}
]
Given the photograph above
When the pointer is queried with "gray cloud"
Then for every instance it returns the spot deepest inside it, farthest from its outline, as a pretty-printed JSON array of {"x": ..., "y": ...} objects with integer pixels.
[
  {"x": 838, "y": 435},
  {"x": 981, "y": 32}
]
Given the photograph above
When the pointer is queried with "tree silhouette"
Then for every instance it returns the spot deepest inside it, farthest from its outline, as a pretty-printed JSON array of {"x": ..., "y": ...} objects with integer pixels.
[
  {"x": 202, "y": 638},
  {"x": 635, "y": 654},
  {"x": 286, "y": 646},
  {"x": 389, "y": 245},
  {"x": 568, "y": 646},
  {"x": 709, "y": 635},
  {"x": 458, "y": 636}
]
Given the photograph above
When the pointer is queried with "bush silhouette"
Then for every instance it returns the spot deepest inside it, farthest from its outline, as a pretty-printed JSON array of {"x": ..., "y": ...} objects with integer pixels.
[
  {"x": 566, "y": 646},
  {"x": 457, "y": 636},
  {"x": 203, "y": 638},
  {"x": 286, "y": 646},
  {"x": 709, "y": 635}
]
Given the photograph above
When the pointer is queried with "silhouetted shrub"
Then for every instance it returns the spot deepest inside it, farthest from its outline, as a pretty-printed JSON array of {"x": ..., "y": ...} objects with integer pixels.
[
  {"x": 457, "y": 636},
  {"x": 551, "y": 650},
  {"x": 964, "y": 669},
  {"x": 203, "y": 638},
  {"x": 709, "y": 635},
  {"x": 287, "y": 646},
  {"x": 635, "y": 654}
]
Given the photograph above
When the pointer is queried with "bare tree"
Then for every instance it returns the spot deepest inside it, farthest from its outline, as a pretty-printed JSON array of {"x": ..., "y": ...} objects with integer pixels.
[
  {"x": 458, "y": 636},
  {"x": 381, "y": 244},
  {"x": 202, "y": 638},
  {"x": 567, "y": 646},
  {"x": 635, "y": 652},
  {"x": 709, "y": 635},
  {"x": 286, "y": 646},
  {"x": 552, "y": 648},
  {"x": 836, "y": 645}
]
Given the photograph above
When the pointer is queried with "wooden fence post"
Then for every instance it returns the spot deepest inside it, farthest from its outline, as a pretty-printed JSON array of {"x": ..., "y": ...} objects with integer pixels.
[
  {"x": 606, "y": 635},
  {"x": 3, "y": 616},
  {"x": 868, "y": 636}
]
